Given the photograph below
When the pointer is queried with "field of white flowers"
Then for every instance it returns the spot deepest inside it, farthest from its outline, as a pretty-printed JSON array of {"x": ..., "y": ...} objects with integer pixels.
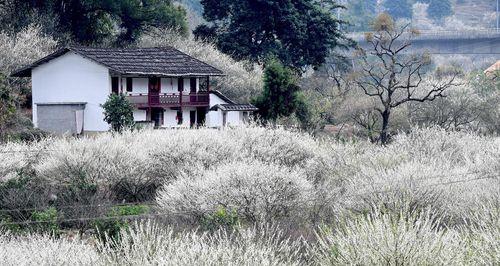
[{"x": 250, "y": 196}]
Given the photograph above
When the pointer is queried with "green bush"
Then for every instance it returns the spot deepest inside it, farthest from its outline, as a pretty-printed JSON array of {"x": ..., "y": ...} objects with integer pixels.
[
  {"x": 222, "y": 218},
  {"x": 45, "y": 221},
  {"x": 110, "y": 227}
]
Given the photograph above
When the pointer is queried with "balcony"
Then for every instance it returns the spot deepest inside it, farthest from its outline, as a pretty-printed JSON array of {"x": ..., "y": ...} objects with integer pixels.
[{"x": 144, "y": 100}]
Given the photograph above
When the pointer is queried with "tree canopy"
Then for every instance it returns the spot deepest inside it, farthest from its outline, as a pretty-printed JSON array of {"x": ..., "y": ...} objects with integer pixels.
[
  {"x": 93, "y": 21},
  {"x": 299, "y": 33}
]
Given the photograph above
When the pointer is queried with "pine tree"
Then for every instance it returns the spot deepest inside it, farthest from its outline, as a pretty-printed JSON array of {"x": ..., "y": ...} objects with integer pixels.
[{"x": 280, "y": 96}]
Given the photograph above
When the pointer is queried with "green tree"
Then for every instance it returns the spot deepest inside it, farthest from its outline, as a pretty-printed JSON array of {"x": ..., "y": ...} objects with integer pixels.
[
  {"x": 439, "y": 9},
  {"x": 299, "y": 33},
  {"x": 280, "y": 97},
  {"x": 399, "y": 8},
  {"x": 118, "y": 112},
  {"x": 95, "y": 21}
]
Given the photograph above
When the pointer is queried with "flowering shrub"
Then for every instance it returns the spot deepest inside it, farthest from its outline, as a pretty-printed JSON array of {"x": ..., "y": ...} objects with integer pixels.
[
  {"x": 258, "y": 192},
  {"x": 430, "y": 194},
  {"x": 390, "y": 240},
  {"x": 151, "y": 244}
]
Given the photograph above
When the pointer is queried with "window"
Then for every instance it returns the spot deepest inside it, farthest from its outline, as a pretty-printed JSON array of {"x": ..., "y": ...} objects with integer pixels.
[
  {"x": 192, "y": 85},
  {"x": 114, "y": 85},
  {"x": 129, "y": 84}
]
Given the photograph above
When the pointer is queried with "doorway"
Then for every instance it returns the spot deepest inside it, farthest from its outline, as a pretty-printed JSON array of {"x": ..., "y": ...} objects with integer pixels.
[
  {"x": 154, "y": 89},
  {"x": 192, "y": 119},
  {"x": 201, "y": 116},
  {"x": 157, "y": 117}
]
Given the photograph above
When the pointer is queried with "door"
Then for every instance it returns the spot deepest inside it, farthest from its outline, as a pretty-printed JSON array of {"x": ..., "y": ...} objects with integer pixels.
[
  {"x": 192, "y": 118},
  {"x": 224, "y": 118},
  {"x": 157, "y": 116},
  {"x": 201, "y": 116},
  {"x": 154, "y": 90}
]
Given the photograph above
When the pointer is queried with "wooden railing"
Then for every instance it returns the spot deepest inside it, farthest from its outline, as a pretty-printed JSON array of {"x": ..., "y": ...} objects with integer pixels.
[{"x": 168, "y": 99}]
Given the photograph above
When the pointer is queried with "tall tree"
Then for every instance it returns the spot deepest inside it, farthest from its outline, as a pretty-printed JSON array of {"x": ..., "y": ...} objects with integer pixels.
[
  {"x": 280, "y": 97},
  {"x": 299, "y": 33},
  {"x": 439, "y": 9},
  {"x": 388, "y": 73},
  {"x": 92, "y": 21},
  {"x": 399, "y": 8}
]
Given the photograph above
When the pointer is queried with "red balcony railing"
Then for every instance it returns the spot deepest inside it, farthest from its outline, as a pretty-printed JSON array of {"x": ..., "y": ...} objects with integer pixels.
[{"x": 168, "y": 99}]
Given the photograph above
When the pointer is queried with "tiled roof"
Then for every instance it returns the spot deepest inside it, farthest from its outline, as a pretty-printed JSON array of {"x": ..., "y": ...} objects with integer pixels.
[
  {"x": 235, "y": 107},
  {"x": 162, "y": 61}
]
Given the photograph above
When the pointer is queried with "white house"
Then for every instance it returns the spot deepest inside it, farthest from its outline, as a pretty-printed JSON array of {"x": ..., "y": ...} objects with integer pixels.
[{"x": 166, "y": 87}]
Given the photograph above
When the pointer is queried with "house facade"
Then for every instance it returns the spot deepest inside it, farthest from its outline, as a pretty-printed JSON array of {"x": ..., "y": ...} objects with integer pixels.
[{"x": 167, "y": 88}]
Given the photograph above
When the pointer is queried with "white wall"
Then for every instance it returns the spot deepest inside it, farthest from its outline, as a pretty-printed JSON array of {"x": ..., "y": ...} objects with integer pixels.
[
  {"x": 139, "y": 85},
  {"x": 169, "y": 85},
  {"x": 170, "y": 115},
  {"x": 73, "y": 78},
  {"x": 214, "y": 100},
  {"x": 233, "y": 119},
  {"x": 140, "y": 115}
]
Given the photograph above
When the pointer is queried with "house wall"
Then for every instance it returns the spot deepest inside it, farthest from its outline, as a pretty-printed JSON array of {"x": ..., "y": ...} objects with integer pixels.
[
  {"x": 169, "y": 118},
  {"x": 73, "y": 78},
  {"x": 140, "y": 115},
  {"x": 168, "y": 85}
]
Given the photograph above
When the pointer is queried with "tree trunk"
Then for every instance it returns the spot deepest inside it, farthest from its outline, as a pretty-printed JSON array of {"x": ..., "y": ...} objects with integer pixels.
[{"x": 384, "y": 137}]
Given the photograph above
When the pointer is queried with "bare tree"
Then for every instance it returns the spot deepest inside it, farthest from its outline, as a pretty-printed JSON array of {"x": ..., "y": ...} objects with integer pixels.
[{"x": 390, "y": 73}]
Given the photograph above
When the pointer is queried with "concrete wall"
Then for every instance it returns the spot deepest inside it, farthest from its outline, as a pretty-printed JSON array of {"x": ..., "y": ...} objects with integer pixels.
[{"x": 73, "y": 78}]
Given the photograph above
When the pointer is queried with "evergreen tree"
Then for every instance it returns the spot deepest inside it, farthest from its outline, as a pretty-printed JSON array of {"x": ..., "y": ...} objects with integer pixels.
[
  {"x": 94, "y": 21},
  {"x": 118, "y": 112},
  {"x": 399, "y": 8},
  {"x": 299, "y": 33},
  {"x": 439, "y": 9},
  {"x": 280, "y": 97}
]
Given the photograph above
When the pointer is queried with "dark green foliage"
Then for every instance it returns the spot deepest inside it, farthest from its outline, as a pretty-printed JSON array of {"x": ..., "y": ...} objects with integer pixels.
[
  {"x": 399, "y": 8},
  {"x": 118, "y": 112},
  {"x": 439, "y": 9},
  {"x": 116, "y": 220},
  {"x": 221, "y": 219},
  {"x": 280, "y": 97},
  {"x": 360, "y": 13},
  {"x": 95, "y": 21},
  {"x": 299, "y": 33},
  {"x": 45, "y": 221}
]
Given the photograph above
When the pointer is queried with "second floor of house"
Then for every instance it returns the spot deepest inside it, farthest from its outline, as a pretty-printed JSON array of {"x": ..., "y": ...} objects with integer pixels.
[{"x": 154, "y": 91}]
